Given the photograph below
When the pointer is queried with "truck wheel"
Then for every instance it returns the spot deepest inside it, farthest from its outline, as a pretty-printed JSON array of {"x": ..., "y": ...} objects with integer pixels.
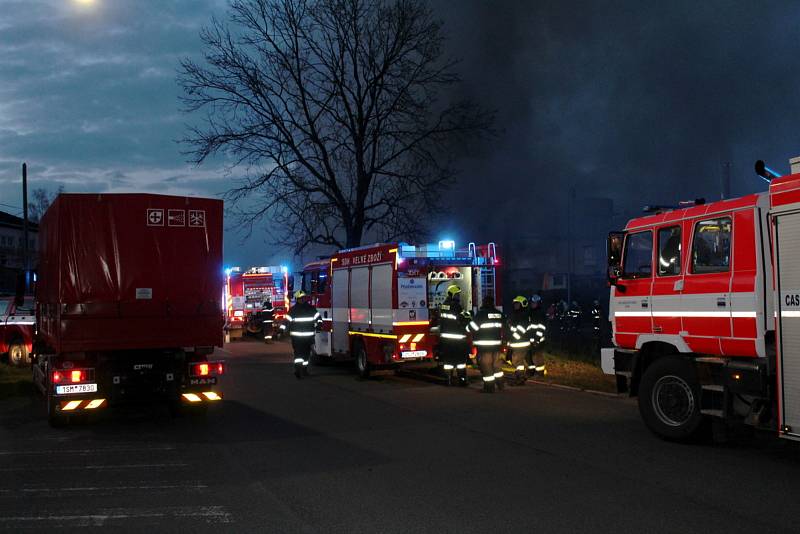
[
  {"x": 18, "y": 355},
  {"x": 362, "y": 364},
  {"x": 669, "y": 399}
]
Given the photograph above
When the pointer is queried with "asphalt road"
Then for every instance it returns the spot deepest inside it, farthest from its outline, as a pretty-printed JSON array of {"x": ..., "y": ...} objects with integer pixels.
[{"x": 392, "y": 454}]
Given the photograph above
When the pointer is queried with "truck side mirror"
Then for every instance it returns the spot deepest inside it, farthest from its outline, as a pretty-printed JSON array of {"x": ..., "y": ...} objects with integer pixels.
[{"x": 614, "y": 253}]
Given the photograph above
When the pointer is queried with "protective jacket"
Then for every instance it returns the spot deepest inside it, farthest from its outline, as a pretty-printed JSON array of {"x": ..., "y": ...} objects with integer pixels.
[
  {"x": 487, "y": 328},
  {"x": 301, "y": 322},
  {"x": 453, "y": 321},
  {"x": 536, "y": 327},
  {"x": 519, "y": 323}
]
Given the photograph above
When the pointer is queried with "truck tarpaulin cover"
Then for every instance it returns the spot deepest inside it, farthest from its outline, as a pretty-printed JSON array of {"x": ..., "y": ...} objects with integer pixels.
[{"x": 130, "y": 271}]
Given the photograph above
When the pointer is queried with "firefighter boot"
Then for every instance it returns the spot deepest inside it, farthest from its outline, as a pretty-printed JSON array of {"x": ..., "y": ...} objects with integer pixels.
[
  {"x": 448, "y": 374},
  {"x": 488, "y": 386},
  {"x": 305, "y": 368},
  {"x": 500, "y": 381},
  {"x": 462, "y": 377},
  {"x": 520, "y": 378},
  {"x": 298, "y": 368}
]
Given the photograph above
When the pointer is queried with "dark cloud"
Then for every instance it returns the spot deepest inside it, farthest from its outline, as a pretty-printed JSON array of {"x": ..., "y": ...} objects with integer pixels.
[{"x": 639, "y": 101}]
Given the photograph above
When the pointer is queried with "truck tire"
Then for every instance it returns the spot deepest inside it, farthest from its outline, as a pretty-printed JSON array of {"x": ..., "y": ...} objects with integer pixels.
[
  {"x": 362, "y": 363},
  {"x": 18, "y": 354},
  {"x": 669, "y": 399}
]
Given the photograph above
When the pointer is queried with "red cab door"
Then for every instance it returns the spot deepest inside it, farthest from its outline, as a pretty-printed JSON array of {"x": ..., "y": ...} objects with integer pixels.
[
  {"x": 632, "y": 296},
  {"x": 706, "y": 301},
  {"x": 668, "y": 280}
]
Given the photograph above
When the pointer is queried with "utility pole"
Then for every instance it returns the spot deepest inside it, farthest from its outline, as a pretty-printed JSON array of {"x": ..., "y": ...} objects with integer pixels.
[
  {"x": 25, "y": 264},
  {"x": 570, "y": 202}
]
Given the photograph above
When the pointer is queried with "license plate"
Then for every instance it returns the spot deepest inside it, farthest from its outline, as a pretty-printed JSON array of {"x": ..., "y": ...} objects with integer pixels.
[
  {"x": 210, "y": 381},
  {"x": 414, "y": 354},
  {"x": 76, "y": 388}
]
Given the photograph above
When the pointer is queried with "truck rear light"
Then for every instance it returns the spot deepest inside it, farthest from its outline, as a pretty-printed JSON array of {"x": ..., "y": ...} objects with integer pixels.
[
  {"x": 206, "y": 368},
  {"x": 238, "y": 313},
  {"x": 57, "y": 377},
  {"x": 76, "y": 375}
]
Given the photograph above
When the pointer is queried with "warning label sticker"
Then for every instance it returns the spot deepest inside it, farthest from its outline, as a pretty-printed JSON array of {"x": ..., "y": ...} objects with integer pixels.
[
  {"x": 176, "y": 218},
  {"x": 197, "y": 218},
  {"x": 155, "y": 217}
]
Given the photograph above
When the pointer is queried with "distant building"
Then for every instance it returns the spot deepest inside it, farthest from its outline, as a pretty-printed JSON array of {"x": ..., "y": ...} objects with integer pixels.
[
  {"x": 11, "y": 242},
  {"x": 570, "y": 250}
]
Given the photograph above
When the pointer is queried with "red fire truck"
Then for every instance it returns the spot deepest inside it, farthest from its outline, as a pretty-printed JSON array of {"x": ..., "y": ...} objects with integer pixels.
[
  {"x": 705, "y": 311},
  {"x": 245, "y": 294},
  {"x": 379, "y": 302},
  {"x": 17, "y": 324}
]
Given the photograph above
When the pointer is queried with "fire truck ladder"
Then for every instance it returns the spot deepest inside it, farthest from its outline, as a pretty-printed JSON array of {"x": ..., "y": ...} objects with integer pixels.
[{"x": 487, "y": 282}]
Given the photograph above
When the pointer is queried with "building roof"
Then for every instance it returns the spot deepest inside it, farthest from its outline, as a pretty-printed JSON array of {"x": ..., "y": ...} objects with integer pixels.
[{"x": 12, "y": 221}]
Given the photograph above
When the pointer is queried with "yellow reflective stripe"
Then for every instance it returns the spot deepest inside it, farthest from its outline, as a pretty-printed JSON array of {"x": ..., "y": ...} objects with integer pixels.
[
  {"x": 96, "y": 403},
  {"x": 370, "y": 334},
  {"x": 191, "y": 397},
  {"x": 211, "y": 395},
  {"x": 417, "y": 338},
  {"x": 405, "y": 338},
  {"x": 71, "y": 405}
]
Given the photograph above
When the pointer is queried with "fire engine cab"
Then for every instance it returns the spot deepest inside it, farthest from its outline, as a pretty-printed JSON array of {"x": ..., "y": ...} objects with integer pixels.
[
  {"x": 705, "y": 312},
  {"x": 17, "y": 324},
  {"x": 246, "y": 292},
  {"x": 379, "y": 303}
]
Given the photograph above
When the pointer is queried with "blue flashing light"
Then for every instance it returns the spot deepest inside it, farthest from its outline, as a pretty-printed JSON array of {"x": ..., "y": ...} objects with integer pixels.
[
  {"x": 447, "y": 244},
  {"x": 228, "y": 271},
  {"x": 284, "y": 269}
]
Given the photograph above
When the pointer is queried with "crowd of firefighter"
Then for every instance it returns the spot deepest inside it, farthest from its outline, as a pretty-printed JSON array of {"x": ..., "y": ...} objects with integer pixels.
[{"x": 491, "y": 338}]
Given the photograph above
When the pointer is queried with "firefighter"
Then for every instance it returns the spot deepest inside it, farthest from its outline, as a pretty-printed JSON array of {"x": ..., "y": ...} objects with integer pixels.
[
  {"x": 519, "y": 343},
  {"x": 268, "y": 317},
  {"x": 537, "y": 330},
  {"x": 453, "y": 336},
  {"x": 301, "y": 322},
  {"x": 487, "y": 328}
]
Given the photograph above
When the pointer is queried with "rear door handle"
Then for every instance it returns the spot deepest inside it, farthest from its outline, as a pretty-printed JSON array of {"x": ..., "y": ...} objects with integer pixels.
[
  {"x": 721, "y": 302},
  {"x": 645, "y": 304}
]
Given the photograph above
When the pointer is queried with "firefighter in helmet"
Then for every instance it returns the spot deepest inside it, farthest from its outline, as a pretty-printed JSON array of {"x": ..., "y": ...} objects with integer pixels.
[
  {"x": 536, "y": 333},
  {"x": 453, "y": 336},
  {"x": 487, "y": 328},
  {"x": 268, "y": 317},
  {"x": 302, "y": 322},
  {"x": 519, "y": 343}
]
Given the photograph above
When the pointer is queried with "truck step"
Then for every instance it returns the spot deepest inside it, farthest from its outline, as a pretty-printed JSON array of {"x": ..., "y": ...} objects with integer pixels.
[
  {"x": 713, "y": 413},
  {"x": 713, "y": 387}
]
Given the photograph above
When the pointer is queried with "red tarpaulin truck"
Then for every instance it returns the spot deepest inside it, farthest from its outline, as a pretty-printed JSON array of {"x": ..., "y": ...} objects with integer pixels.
[{"x": 128, "y": 301}]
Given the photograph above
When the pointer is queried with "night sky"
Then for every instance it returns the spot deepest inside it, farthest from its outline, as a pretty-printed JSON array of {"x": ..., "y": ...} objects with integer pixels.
[{"x": 637, "y": 101}]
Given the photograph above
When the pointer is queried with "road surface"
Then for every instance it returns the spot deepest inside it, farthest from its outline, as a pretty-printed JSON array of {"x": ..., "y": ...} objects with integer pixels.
[{"x": 391, "y": 454}]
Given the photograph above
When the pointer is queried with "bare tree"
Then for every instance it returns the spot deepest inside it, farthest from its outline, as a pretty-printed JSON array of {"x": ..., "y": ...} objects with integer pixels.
[
  {"x": 41, "y": 201},
  {"x": 336, "y": 110}
]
